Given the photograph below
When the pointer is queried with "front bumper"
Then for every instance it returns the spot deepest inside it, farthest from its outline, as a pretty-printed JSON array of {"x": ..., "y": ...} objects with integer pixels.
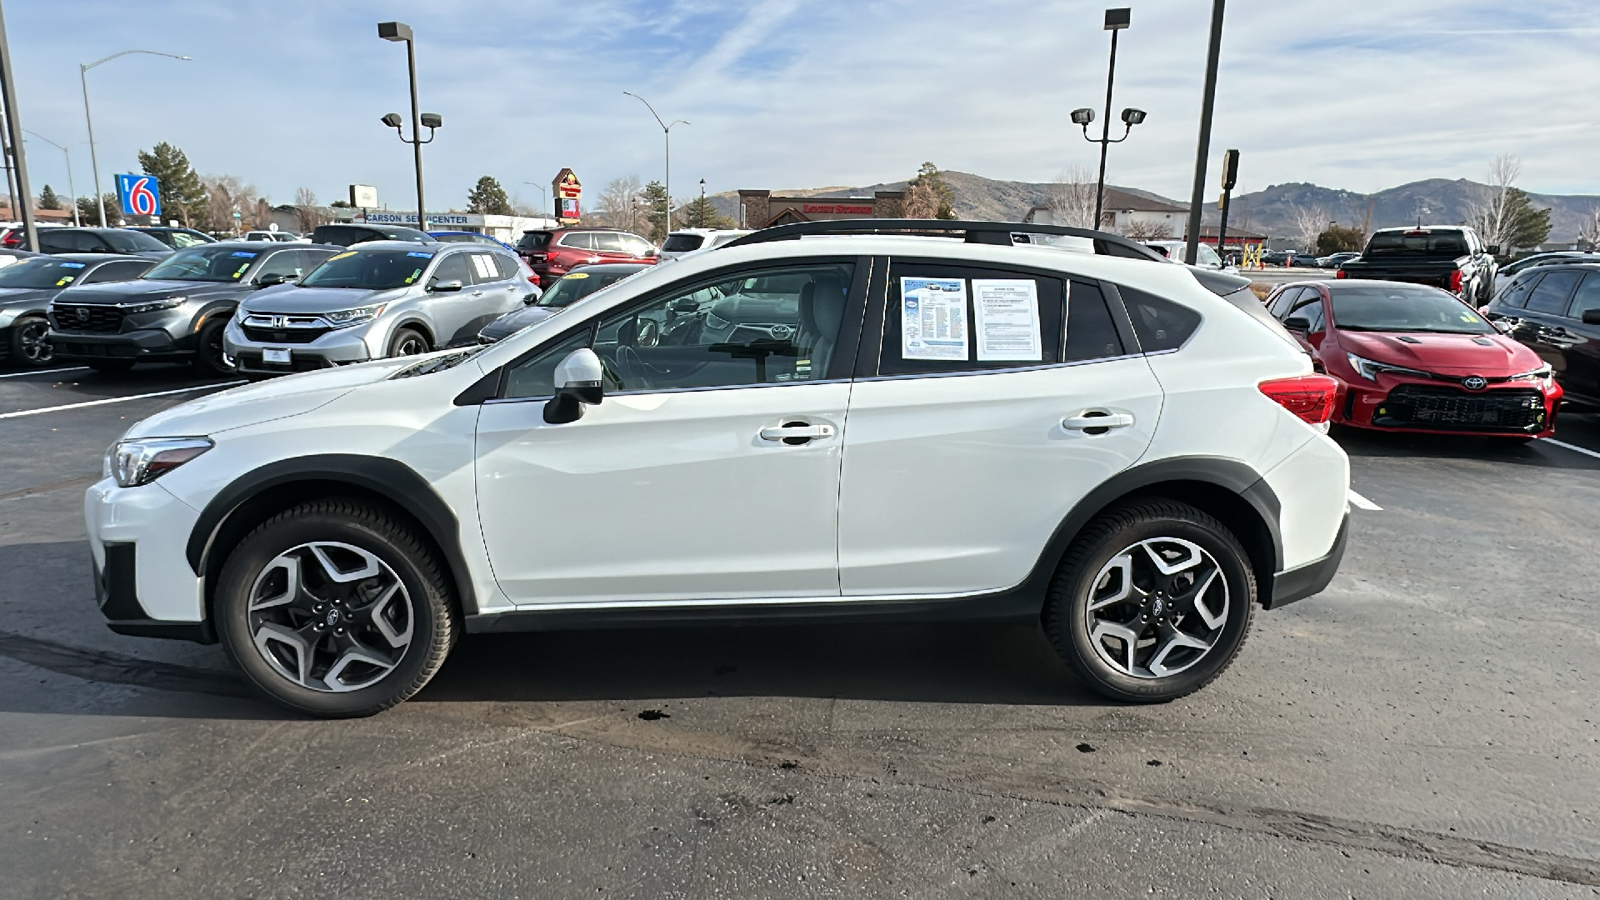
[
  {"x": 1521, "y": 408},
  {"x": 145, "y": 344},
  {"x": 143, "y": 583},
  {"x": 333, "y": 348}
]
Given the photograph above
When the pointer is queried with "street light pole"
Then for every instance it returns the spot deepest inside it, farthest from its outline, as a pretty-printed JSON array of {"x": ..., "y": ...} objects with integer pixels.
[
  {"x": 400, "y": 31},
  {"x": 1192, "y": 248},
  {"x": 544, "y": 199},
  {"x": 94, "y": 162},
  {"x": 666, "y": 129},
  {"x": 8, "y": 95},
  {"x": 71, "y": 188}
]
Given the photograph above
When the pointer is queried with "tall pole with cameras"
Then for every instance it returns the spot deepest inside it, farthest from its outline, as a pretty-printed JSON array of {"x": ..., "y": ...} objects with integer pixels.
[
  {"x": 666, "y": 129},
  {"x": 1116, "y": 20}
]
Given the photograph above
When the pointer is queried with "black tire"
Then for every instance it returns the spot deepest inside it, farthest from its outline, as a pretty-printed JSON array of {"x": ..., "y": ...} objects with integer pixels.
[
  {"x": 404, "y": 340},
  {"x": 1067, "y": 618},
  {"x": 110, "y": 366},
  {"x": 210, "y": 356},
  {"x": 433, "y": 624},
  {"x": 30, "y": 342}
]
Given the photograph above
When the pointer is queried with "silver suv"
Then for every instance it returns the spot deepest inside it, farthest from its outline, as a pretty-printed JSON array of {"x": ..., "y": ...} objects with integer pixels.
[{"x": 377, "y": 300}]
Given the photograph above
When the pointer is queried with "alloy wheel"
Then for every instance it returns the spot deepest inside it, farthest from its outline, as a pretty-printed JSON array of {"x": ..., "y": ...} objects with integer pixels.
[
  {"x": 330, "y": 616},
  {"x": 411, "y": 346},
  {"x": 1157, "y": 607},
  {"x": 34, "y": 340}
]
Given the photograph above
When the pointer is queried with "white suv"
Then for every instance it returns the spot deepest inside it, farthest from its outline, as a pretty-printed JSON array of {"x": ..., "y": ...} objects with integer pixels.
[{"x": 845, "y": 426}]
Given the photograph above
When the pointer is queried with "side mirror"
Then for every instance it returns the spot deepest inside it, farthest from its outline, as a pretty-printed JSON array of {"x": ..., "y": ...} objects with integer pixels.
[
  {"x": 274, "y": 278},
  {"x": 1591, "y": 317},
  {"x": 652, "y": 253},
  {"x": 685, "y": 306},
  {"x": 531, "y": 298},
  {"x": 1494, "y": 249},
  {"x": 444, "y": 287},
  {"x": 578, "y": 384},
  {"x": 1297, "y": 324}
]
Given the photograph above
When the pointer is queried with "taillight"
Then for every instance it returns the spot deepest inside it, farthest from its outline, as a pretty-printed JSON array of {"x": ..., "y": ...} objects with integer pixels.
[
  {"x": 533, "y": 278},
  {"x": 1311, "y": 397},
  {"x": 1340, "y": 273},
  {"x": 1455, "y": 281},
  {"x": 12, "y": 240}
]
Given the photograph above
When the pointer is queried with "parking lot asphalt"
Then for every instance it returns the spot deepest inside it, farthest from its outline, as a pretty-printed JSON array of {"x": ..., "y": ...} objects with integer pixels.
[{"x": 1427, "y": 727}]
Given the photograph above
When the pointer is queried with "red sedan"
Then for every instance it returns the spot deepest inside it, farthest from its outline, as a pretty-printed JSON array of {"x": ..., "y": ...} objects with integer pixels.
[{"x": 1415, "y": 358}]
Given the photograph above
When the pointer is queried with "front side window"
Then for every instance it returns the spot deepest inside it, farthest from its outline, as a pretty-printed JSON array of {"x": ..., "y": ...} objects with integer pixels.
[
  {"x": 285, "y": 262},
  {"x": 945, "y": 318},
  {"x": 1552, "y": 293},
  {"x": 1587, "y": 298},
  {"x": 452, "y": 268},
  {"x": 1284, "y": 302},
  {"x": 1515, "y": 294},
  {"x": 608, "y": 242},
  {"x": 209, "y": 263},
  {"x": 1311, "y": 311}
]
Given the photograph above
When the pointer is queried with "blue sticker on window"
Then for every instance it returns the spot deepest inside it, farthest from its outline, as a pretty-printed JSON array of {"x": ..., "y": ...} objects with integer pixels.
[
  {"x": 67, "y": 265},
  {"x": 423, "y": 255},
  {"x": 245, "y": 254}
]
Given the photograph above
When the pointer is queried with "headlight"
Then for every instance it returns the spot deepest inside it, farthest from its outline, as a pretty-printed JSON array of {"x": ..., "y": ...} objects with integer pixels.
[
  {"x": 1540, "y": 374},
  {"x": 154, "y": 305},
  {"x": 355, "y": 316},
  {"x": 1369, "y": 369},
  {"x": 143, "y": 460}
]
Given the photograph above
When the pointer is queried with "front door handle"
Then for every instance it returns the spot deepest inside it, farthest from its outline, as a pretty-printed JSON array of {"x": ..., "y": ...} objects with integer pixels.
[
  {"x": 796, "y": 433},
  {"x": 1096, "y": 421}
]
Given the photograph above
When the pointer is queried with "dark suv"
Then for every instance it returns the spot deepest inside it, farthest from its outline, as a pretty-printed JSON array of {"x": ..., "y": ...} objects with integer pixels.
[
  {"x": 91, "y": 240},
  {"x": 555, "y": 252},
  {"x": 175, "y": 311},
  {"x": 350, "y": 234},
  {"x": 1555, "y": 310}
]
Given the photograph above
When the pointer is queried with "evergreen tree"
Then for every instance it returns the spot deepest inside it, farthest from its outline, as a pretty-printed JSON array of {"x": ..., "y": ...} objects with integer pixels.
[
  {"x": 90, "y": 214},
  {"x": 48, "y": 198},
  {"x": 655, "y": 196},
  {"x": 488, "y": 198},
  {"x": 1529, "y": 227},
  {"x": 183, "y": 195},
  {"x": 701, "y": 213}
]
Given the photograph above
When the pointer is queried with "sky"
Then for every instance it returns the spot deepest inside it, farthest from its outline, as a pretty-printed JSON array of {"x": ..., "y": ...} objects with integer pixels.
[{"x": 786, "y": 94}]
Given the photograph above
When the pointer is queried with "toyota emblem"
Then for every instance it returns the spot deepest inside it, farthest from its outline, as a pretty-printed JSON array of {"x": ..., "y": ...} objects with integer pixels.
[
  {"x": 781, "y": 332},
  {"x": 83, "y": 314},
  {"x": 1474, "y": 382}
]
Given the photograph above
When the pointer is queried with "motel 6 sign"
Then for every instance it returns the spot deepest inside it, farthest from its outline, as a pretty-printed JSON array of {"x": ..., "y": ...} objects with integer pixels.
[{"x": 140, "y": 195}]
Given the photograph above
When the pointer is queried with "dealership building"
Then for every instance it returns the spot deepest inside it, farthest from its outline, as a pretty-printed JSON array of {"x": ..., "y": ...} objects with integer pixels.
[{"x": 763, "y": 209}]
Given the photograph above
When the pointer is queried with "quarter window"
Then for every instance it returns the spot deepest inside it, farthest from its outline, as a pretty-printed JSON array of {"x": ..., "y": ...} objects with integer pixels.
[
  {"x": 1159, "y": 323},
  {"x": 1552, "y": 293},
  {"x": 944, "y": 318}
]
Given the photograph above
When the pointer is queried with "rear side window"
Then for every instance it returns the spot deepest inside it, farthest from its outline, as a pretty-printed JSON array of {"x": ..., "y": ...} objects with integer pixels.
[
  {"x": 608, "y": 242},
  {"x": 944, "y": 318},
  {"x": 636, "y": 246},
  {"x": 1159, "y": 323},
  {"x": 507, "y": 265},
  {"x": 578, "y": 240},
  {"x": 1091, "y": 333},
  {"x": 1552, "y": 293}
]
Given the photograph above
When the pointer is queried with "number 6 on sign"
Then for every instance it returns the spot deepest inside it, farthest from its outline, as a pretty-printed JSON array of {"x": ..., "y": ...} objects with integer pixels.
[{"x": 140, "y": 195}]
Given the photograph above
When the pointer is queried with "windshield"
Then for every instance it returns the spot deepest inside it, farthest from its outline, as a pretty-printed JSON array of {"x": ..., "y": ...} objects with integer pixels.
[
  {"x": 1420, "y": 243},
  {"x": 682, "y": 243},
  {"x": 534, "y": 240},
  {"x": 41, "y": 273},
  {"x": 209, "y": 263},
  {"x": 131, "y": 241},
  {"x": 574, "y": 286},
  {"x": 1402, "y": 308},
  {"x": 374, "y": 270}
]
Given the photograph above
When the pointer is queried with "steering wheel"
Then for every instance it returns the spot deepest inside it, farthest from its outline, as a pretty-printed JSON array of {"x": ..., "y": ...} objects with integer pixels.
[{"x": 634, "y": 371}]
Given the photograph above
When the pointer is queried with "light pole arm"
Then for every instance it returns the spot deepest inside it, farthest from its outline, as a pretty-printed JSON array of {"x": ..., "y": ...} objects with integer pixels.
[{"x": 86, "y": 67}]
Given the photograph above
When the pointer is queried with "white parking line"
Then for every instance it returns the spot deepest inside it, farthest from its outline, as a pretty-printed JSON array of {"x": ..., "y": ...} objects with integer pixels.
[
  {"x": 50, "y": 409},
  {"x": 45, "y": 372},
  {"x": 1364, "y": 503},
  {"x": 1563, "y": 444}
]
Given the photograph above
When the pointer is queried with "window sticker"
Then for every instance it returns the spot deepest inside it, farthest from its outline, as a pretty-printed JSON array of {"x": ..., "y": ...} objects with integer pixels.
[
  {"x": 1006, "y": 316},
  {"x": 240, "y": 270},
  {"x": 73, "y": 265},
  {"x": 415, "y": 253},
  {"x": 413, "y": 276},
  {"x": 342, "y": 255},
  {"x": 484, "y": 267},
  {"x": 577, "y": 276},
  {"x": 933, "y": 318},
  {"x": 243, "y": 254},
  {"x": 65, "y": 280}
]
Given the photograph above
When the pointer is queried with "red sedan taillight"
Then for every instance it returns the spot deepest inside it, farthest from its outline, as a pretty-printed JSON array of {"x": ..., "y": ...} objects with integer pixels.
[
  {"x": 1311, "y": 397},
  {"x": 12, "y": 240},
  {"x": 1455, "y": 281},
  {"x": 1340, "y": 273}
]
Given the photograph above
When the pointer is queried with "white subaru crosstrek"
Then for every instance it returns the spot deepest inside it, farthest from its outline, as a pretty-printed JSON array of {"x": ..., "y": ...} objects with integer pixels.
[{"x": 805, "y": 423}]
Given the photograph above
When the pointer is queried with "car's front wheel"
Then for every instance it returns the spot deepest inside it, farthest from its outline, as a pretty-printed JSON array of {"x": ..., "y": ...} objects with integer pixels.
[
  {"x": 210, "y": 354},
  {"x": 335, "y": 608},
  {"x": 1152, "y": 601},
  {"x": 407, "y": 342},
  {"x": 30, "y": 341}
]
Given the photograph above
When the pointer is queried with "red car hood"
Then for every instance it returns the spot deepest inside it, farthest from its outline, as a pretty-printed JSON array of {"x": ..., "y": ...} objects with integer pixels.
[{"x": 1489, "y": 355}]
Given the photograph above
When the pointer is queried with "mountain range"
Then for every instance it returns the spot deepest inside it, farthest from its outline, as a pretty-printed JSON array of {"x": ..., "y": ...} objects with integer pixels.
[{"x": 1266, "y": 211}]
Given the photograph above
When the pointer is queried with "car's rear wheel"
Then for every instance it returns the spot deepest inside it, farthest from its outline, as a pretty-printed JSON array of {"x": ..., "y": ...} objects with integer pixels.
[
  {"x": 210, "y": 355},
  {"x": 408, "y": 342},
  {"x": 1151, "y": 602},
  {"x": 30, "y": 341},
  {"x": 336, "y": 609},
  {"x": 110, "y": 366}
]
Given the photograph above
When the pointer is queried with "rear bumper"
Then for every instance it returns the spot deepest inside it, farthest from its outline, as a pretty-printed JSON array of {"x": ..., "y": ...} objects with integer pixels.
[{"x": 1311, "y": 578}]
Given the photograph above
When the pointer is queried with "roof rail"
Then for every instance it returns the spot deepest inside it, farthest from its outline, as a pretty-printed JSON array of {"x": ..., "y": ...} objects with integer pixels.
[{"x": 1105, "y": 244}]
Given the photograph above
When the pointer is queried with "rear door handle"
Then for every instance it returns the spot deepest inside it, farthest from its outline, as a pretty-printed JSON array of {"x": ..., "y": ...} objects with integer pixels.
[
  {"x": 796, "y": 434},
  {"x": 1096, "y": 419}
]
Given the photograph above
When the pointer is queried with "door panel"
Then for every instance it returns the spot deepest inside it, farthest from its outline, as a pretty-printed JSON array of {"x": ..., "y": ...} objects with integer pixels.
[{"x": 659, "y": 497}]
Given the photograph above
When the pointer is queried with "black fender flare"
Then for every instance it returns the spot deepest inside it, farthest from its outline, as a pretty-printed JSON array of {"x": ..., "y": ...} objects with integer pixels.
[{"x": 388, "y": 478}]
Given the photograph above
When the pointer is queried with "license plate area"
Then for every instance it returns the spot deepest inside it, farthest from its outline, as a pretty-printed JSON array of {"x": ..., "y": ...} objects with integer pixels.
[{"x": 275, "y": 355}]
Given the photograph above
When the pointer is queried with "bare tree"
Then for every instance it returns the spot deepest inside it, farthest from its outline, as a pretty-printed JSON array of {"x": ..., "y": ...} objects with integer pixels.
[
  {"x": 1491, "y": 213},
  {"x": 1589, "y": 231},
  {"x": 1071, "y": 198},
  {"x": 305, "y": 209},
  {"x": 1143, "y": 230},
  {"x": 1306, "y": 223},
  {"x": 618, "y": 204},
  {"x": 921, "y": 201},
  {"x": 224, "y": 194}
]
